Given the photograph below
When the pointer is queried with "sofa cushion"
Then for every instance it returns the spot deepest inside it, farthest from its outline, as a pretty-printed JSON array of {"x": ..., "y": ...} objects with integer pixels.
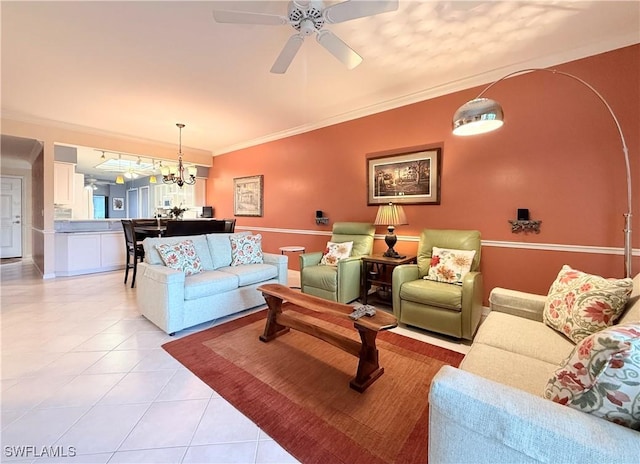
[
  {"x": 513, "y": 369},
  {"x": 579, "y": 304},
  {"x": 432, "y": 293},
  {"x": 219, "y": 247},
  {"x": 249, "y": 274},
  {"x": 449, "y": 266},
  {"x": 151, "y": 255},
  {"x": 181, "y": 256},
  {"x": 208, "y": 283},
  {"x": 523, "y": 336},
  {"x": 334, "y": 252},
  {"x": 246, "y": 249},
  {"x": 602, "y": 376}
]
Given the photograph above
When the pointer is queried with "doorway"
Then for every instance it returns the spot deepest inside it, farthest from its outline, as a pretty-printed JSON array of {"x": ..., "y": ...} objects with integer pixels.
[
  {"x": 10, "y": 217},
  {"x": 144, "y": 202},
  {"x": 132, "y": 203},
  {"x": 100, "y": 207}
]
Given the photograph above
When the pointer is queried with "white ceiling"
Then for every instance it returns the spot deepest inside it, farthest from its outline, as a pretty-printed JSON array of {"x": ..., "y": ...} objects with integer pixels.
[{"x": 137, "y": 68}]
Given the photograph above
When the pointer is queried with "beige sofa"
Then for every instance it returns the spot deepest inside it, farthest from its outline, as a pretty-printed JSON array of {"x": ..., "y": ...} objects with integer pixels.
[
  {"x": 174, "y": 302},
  {"x": 492, "y": 408}
]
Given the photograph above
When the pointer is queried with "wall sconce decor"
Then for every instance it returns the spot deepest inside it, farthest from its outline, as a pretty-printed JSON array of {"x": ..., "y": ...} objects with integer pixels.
[
  {"x": 520, "y": 225},
  {"x": 320, "y": 218}
]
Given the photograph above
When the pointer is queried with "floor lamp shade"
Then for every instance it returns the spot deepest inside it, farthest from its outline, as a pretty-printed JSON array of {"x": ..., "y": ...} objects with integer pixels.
[
  {"x": 478, "y": 116},
  {"x": 390, "y": 215},
  {"x": 482, "y": 115}
]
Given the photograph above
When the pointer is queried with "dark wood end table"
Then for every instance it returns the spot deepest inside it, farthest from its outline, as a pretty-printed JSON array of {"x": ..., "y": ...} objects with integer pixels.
[{"x": 378, "y": 270}]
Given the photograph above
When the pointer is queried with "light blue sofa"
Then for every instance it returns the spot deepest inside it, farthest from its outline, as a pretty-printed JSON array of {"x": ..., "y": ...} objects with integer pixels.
[{"x": 174, "y": 302}]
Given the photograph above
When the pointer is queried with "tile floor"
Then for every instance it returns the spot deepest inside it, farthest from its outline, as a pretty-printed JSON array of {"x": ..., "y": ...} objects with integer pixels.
[{"x": 83, "y": 374}]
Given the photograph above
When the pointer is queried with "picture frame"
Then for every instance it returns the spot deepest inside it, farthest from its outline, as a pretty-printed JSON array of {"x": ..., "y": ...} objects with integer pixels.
[
  {"x": 409, "y": 176},
  {"x": 248, "y": 196},
  {"x": 118, "y": 204}
]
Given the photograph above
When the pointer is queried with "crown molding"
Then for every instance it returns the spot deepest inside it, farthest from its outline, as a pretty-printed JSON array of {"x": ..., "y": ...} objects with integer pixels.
[{"x": 444, "y": 89}]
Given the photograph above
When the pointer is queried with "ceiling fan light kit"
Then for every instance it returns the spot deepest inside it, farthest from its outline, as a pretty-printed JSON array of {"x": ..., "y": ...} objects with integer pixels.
[{"x": 308, "y": 18}]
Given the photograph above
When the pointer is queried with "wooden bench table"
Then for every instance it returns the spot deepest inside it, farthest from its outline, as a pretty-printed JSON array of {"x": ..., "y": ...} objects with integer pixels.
[{"x": 279, "y": 322}]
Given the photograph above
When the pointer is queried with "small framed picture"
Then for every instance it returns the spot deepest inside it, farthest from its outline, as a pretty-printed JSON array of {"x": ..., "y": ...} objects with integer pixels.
[
  {"x": 247, "y": 198},
  {"x": 408, "y": 175},
  {"x": 118, "y": 204}
]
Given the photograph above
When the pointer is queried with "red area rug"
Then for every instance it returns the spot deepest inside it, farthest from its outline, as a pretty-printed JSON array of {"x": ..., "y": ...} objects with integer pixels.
[{"x": 296, "y": 389}]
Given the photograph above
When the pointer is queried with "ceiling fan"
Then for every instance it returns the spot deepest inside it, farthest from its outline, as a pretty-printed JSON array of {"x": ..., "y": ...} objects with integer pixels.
[{"x": 307, "y": 18}]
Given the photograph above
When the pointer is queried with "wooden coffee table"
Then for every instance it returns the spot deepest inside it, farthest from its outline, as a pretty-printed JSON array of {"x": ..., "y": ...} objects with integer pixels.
[{"x": 279, "y": 321}]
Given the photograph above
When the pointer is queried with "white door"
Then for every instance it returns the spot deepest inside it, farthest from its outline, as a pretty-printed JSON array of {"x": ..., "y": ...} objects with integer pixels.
[
  {"x": 132, "y": 203},
  {"x": 11, "y": 217},
  {"x": 144, "y": 202}
]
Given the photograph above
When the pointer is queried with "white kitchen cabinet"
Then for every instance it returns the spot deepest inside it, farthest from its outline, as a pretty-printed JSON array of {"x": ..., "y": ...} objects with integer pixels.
[
  {"x": 82, "y": 207},
  {"x": 63, "y": 183},
  {"x": 112, "y": 251},
  {"x": 89, "y": 252}
]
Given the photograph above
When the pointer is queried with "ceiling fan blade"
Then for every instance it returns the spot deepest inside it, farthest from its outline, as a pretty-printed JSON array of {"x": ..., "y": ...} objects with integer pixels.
[
  {"x": 338, "y": 48},
  {"x": 245, "y": 17},
  {"x": 287, "y": 54},
  {"x": 354, "y": 9}
]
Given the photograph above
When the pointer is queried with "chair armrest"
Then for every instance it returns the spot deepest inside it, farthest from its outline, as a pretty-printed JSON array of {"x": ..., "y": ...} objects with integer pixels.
[
  {"x": 401, "y": 274},
  {"x": 472, "y": 419},
  {"x": 310, "y": 259},
  {"x": 516, "y": 303},
  {"x": 472, "y": 288},
  {"x": 349, "y": 278}
]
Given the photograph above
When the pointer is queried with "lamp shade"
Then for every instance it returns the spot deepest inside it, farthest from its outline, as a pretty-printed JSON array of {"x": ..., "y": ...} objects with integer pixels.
[
  {"x": 153, "y": 180},
  {"x": 478, "y": 116},
  {"x": 119, "y": 180},
  {"x": 390, "y": 215}
]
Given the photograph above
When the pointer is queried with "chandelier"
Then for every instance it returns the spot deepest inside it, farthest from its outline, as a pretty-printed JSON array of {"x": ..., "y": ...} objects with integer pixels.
[{"x": 176, "y": 175}]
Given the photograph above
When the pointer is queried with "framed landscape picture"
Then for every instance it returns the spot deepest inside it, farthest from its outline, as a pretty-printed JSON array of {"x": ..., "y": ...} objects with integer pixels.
[
  {"x": 408, "y": 176},
  {"x": 247, "y": 196}
]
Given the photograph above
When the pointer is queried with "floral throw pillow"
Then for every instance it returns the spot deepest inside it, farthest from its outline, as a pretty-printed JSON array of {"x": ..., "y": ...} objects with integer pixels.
[
  {"x": 579, "y": 304},
  {"x": 246, "y": 249},
  {"x": 602, "y": 376},
  {"x": 449, "y": 266},
  {"x": 335, "y": 252},
  {"x": 181, "y": 256}
]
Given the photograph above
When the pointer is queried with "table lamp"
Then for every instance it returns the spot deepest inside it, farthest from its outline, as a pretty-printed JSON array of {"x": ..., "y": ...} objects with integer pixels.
[{"x": 391, "y": 215}]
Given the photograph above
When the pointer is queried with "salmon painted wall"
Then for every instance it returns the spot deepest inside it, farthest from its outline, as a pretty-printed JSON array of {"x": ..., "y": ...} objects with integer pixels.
[{"x": 558, "y": 154}]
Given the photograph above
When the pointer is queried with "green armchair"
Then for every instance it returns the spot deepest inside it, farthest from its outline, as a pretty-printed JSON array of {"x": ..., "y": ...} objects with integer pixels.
[
  {"x": 342, "y": 282},
  {"x": 445, "y": 308}
]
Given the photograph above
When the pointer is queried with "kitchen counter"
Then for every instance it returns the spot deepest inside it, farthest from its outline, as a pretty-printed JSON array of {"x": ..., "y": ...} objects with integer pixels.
[
  {"x": 85, "y": 247},
  {"x": 87, "y": 225}
]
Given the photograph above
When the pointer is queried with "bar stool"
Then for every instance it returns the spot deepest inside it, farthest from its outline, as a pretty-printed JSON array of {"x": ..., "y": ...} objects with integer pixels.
[{"x": 135, "y": 250}]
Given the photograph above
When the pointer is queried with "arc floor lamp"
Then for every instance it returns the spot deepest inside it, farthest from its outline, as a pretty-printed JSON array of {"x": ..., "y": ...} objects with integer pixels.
[{"x": 482, "y": 115}]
